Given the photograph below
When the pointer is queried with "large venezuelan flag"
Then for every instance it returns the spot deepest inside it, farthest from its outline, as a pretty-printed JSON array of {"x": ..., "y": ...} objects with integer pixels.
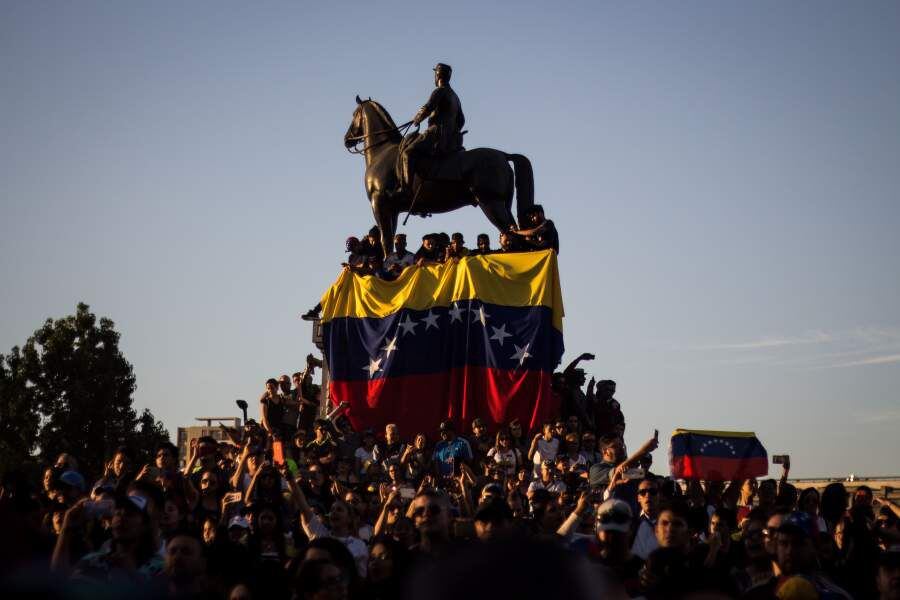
[
  {"x": 716, "y": 455},
  {"x": 474, "y": 338}
]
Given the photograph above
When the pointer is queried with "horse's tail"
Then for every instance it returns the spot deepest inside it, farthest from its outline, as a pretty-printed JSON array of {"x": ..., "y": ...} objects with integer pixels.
[{"x": 524, "y": 179}]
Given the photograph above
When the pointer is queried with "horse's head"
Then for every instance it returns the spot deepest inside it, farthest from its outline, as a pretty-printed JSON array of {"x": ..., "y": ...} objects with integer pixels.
[
  {"x": 369, "y": 116},
  {"x": 355, "y": 132}
]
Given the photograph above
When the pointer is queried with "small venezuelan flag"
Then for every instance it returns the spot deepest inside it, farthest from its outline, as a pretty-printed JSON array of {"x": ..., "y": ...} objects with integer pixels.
[
  {"x": 475, "y": 338},
  {"x": 716, "y": 455}
]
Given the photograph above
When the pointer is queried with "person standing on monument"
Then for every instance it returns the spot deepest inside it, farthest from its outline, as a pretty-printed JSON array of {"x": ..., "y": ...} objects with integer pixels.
[
  {"x": 540, "y": 232},
  {"x": 400, "y": 258},
  {"x": 444, "y": 134}
]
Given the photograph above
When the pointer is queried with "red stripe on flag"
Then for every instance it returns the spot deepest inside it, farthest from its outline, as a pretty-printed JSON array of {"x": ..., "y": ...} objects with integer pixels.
[
  {"x": 418, "y": 403},
  {"x": 718, "y": 469}
]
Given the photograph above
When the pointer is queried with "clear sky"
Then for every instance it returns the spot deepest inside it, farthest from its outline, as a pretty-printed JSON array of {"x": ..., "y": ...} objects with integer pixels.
[{"x": 724, "y": 177}]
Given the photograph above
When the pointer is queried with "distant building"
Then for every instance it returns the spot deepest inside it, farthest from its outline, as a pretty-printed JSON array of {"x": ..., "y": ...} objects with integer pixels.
[{"x": 211, "y": 429}]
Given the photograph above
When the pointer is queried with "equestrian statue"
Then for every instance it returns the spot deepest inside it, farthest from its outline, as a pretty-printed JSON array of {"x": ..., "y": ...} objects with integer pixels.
[{"x": 431, "y": 172}]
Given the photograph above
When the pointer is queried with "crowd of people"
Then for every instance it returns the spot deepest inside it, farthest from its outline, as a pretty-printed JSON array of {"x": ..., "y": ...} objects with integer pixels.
[{"x": 298, "y": 504}]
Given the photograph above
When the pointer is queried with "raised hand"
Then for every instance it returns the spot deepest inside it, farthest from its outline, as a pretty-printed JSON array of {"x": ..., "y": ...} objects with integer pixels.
[{"x": 584, "y": 502}]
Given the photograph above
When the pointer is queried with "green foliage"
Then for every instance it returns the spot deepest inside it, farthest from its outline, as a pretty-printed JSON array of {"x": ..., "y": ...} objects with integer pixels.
[
  {"x": 19, "y": 415},
  {"x": 70, "y": 389}
]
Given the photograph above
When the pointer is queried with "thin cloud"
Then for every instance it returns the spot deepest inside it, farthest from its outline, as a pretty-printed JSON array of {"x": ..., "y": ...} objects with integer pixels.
[
  {"x": 893, "y": 415},
  {"x": 873, "y": 360},
  {"x": 817, "y": 350},
  {"x": 818, "y": 337}
]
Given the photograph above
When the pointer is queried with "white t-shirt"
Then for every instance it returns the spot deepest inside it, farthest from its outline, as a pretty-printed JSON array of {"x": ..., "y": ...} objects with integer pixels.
[
  {"x": 316, "y": 529},
  {"x": 505, "y": 457},
  {"x": 545, "y": 451},
  {"x": 554, "y": 487}
]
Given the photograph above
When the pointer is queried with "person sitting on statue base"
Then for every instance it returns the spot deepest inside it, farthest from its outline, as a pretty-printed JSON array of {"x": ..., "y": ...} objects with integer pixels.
[
  {"x": 430, "y": 252},
  {"x": 370, "y": 245},
  {"x": 483, "y": 246},
  {"x": 400, "y": 258},
  {"x": 457, "y": 248},
  {"x": 541, "y": 233}
]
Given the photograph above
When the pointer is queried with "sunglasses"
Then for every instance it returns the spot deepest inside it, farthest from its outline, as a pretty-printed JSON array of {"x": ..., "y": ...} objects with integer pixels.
[
  {"x": 432, "y": 510},
  {"x": 648, "y": 492}
]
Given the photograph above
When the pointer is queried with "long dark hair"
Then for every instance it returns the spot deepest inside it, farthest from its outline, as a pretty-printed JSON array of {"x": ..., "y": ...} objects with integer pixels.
[{"x": 833, "y": 504}]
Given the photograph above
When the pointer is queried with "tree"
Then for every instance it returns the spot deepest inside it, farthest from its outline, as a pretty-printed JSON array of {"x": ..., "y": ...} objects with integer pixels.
[
  {"x": 19, "y": 415},
  {"x": 74, "y": 374}
]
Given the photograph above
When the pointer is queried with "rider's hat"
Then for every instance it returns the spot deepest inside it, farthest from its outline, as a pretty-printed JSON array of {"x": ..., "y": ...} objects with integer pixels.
[{"x": 443, "y": 68}]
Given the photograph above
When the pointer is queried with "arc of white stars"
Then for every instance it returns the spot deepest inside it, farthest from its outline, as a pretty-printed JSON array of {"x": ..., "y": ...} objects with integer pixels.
[
  {"x": 390, "y": 347},
  {"x": 373, "y": 367},
  {"x": 521, "y": 354},
  {"x": 408, "y": 325},
  {"x": 500, "y": 334},
  {"x": 430, "y": 321},
  {"x": 480, "y": 316},
  {"x": 456, "y": 313}
]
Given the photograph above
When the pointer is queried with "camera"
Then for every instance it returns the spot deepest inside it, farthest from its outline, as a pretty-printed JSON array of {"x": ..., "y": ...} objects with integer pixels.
[{"x": 780, "y": 459}]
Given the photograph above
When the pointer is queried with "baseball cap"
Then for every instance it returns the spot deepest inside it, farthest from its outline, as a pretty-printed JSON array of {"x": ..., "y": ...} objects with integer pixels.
[
  {"x": 799, "y": 522},
  {"x": 239, "y": 522},
  {"x": 74, "y": 479},
  {"x": 132, "y": 501},
  {"x": 447, "y": 426},
  {"x": 614, "y": 515},
  {"x": 103, "y": 487}
]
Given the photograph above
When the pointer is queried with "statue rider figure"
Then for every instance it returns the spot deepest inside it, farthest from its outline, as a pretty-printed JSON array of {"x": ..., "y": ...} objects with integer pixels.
[{"x": 443, "y": 136}]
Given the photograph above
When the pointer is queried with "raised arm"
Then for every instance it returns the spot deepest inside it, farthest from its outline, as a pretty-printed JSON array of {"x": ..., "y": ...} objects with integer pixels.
[
  {"x": 192, "y": 459},
  {"x": 242, "y": 464},
  {"x": 292, "y": 484},
  {"x": 382, "y": 516},
  {"x": 248, "y": 494},
  {"x": 647, "y": 447},
  {"x": 571, "y": 522},
  {"x": 574, "y": 364},
  {"x": 464, "y": 490},
  {"x": 72, "y": 525},
  {"x": 336, "y": 410},
  {"x": 785, "y": 469}
]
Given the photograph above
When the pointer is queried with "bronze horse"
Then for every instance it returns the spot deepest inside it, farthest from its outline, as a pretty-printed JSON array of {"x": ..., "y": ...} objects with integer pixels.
[{"x": 484, "y": 177}]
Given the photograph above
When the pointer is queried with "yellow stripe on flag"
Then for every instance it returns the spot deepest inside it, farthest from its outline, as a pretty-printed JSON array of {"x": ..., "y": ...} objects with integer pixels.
[
  {"x": 709, "y": 432},
  {"x": 513, "y": 279}
]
